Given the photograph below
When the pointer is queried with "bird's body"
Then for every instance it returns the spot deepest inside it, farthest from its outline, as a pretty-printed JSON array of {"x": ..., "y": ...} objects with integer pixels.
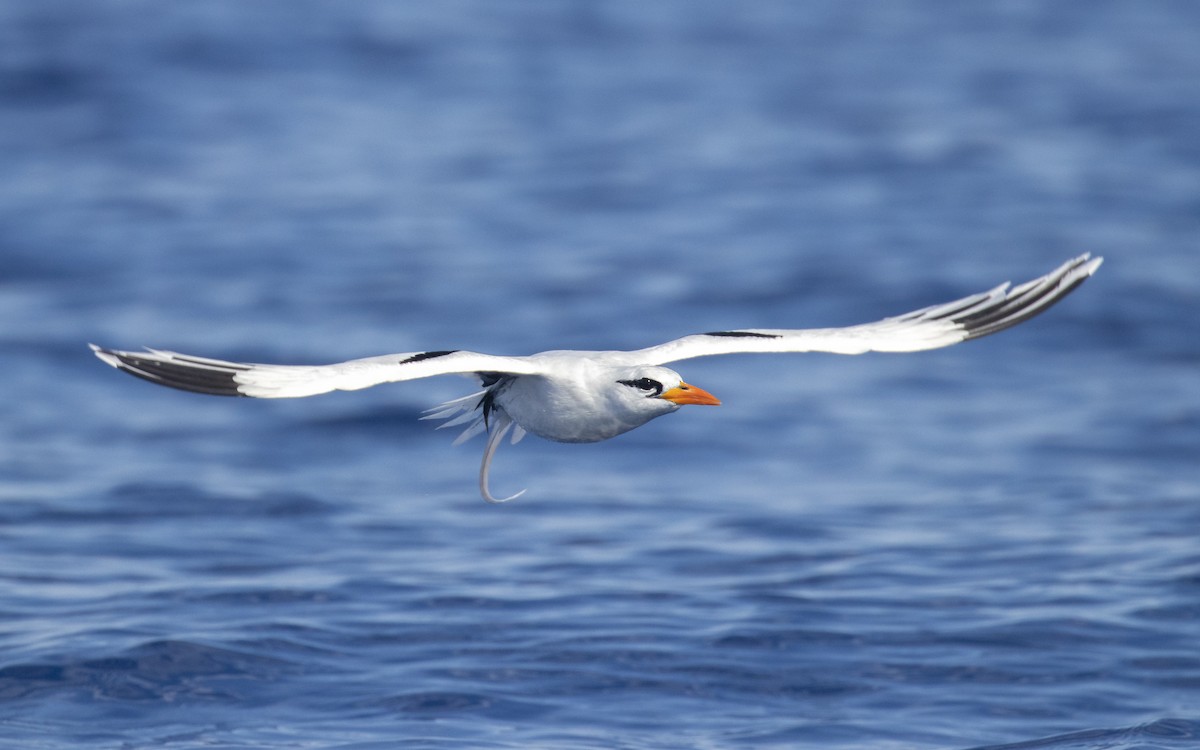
[
  {"x": 587, "y": 396},
  {"x": 568, "y": 407}
]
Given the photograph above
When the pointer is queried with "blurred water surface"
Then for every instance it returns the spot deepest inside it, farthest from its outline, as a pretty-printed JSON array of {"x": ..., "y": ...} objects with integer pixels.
[{"x": 992, "y": 545}]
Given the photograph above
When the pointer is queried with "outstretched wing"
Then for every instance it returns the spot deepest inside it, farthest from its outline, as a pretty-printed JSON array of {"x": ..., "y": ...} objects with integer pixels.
[
  {"x": 928, "y": 328},
  {"x": 221, "y": 378}
]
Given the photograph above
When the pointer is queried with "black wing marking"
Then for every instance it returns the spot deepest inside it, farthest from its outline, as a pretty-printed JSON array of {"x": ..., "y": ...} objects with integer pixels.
[{"x": 185, "y": 373}]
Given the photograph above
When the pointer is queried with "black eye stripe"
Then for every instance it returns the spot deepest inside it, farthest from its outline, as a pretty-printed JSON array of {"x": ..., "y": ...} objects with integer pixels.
[{"x": 644, "y": 384}]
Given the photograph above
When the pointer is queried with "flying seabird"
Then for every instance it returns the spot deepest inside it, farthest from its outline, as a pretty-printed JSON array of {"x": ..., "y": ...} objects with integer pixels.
[{"x": 586, "y": 396}]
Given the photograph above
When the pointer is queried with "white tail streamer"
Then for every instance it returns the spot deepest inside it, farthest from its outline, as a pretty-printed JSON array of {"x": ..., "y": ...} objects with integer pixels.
[
  {"x": 499, "y": 428},
  {"x": 468, "y": 410}
]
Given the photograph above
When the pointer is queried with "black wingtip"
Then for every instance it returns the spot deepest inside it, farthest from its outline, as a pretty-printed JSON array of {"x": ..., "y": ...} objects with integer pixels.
[
  {"x": 1031, "y": 299},
  {"x": 163, "y": 370}
]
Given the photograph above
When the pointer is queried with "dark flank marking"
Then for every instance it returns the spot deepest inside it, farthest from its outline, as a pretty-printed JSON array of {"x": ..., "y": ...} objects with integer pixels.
[
  {"x": 426, "y": 355},
  {"x": 487, "y": 404},
  {"x": 488, "y": 379},
  {"x": 743, "y": 334},
  {"x": 494, "y": 382}
]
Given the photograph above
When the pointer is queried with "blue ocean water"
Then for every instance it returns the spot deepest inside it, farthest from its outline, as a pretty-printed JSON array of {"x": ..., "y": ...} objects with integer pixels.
[{"x": 992, "y": 545}]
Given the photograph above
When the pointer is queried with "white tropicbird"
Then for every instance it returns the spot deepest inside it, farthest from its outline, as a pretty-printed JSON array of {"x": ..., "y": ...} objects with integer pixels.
[{"x": 584, "y": 397}]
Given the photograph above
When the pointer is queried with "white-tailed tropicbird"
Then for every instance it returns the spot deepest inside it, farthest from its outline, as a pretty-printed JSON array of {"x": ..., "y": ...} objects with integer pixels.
[{"x": 582, "y": 396}]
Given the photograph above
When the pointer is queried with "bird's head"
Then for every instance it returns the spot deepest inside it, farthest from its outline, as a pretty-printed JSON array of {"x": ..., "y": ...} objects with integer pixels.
[{"x": 659, "y": 390}]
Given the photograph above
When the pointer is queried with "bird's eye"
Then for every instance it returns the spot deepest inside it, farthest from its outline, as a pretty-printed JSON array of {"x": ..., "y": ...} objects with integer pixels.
[{"x": 644, "y": 384}]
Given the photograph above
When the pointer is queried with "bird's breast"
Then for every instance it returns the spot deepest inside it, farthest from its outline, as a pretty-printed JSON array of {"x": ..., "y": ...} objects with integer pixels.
[{"x": 564, "y": 411}]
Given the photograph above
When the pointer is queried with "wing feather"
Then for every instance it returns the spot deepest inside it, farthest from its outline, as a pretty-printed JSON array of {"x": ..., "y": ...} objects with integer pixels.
[
  {"x": 222, "y": 378},
  {"x": 928, "y": 328}
]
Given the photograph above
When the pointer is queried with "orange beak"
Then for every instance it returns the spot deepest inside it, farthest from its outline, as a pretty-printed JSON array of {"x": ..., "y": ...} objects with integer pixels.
[{"x": 690, "y": 394}]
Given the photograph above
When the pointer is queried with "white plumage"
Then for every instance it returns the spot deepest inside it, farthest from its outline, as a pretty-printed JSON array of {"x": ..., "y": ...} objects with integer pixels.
[{"x": 587, "y": 396}]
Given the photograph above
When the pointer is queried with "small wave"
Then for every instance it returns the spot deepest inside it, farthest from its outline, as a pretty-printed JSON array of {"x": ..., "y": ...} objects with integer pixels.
[
  {"x": 164, "y": 670},
  {"x": 1163, "y": 733},
  {"x": 433, "y": 702},
  {"x": 144, "y": 500}
]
